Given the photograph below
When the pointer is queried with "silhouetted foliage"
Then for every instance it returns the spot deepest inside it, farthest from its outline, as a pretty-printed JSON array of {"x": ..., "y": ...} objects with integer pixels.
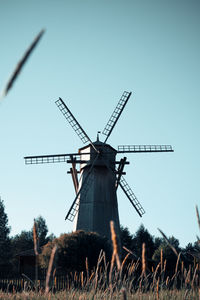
[
  {"x": 143, "y": 236},
  {"x": 134, "y": 242},
  {"x": 73, "y": 249},
  {"x": 157, "y": 242},
  {"x": 191, "y": 254},
  {"x": 126, "y": 244},
  {"x": 126, "y": 237},
  {"x": 22, "y": 242},
  {"x": 4, "y": 237},
  {"x": 168, "y": 254},
  {"x": 42, "y": 231}
]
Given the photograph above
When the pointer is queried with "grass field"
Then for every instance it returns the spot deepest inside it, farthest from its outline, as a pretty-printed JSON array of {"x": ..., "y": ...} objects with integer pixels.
[
  {"x": 117, "y": 281},
  {"x": 129, "y": 279},
  {"x": 81, "y": 295}
]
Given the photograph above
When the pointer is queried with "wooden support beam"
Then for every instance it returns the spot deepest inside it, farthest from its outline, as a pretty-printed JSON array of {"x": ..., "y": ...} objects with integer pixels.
[
  {"x": 74, "y": 172},
  {"x": 120, "y": 171},
  {"x": 125, "y": 162}
]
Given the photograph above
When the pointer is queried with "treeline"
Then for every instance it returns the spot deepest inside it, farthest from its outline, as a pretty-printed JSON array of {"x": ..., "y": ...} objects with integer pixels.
[
  {"x": 80, "y": 249},
  {"x": 12, "y": 247},
  {"x": 159, "y": 249}
]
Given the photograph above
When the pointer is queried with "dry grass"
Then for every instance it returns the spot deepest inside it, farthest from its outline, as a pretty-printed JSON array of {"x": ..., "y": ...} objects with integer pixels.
[
  {"x": 82, "y": 295},
  {"x": 50, "y": 269},
  {"x": 121, "y": 282},
  {"x": 125, "y": 283}
]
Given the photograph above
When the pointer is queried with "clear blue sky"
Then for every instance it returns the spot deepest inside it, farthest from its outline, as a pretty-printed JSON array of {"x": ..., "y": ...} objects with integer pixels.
[{"x": 91, "y": 52}]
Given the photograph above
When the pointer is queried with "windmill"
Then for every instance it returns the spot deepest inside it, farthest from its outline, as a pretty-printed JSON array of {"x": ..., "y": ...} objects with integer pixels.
[{"x": 99, "y": 174}]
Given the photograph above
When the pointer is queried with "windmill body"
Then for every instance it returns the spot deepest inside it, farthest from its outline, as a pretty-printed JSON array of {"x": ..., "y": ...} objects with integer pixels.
[
  {"x": 99, "y": 205},
  {"x": 99, "y": 175}
]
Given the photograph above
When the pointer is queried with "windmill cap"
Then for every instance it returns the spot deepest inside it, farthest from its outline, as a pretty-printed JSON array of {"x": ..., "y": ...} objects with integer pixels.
[{"x": 98, "y": 144}]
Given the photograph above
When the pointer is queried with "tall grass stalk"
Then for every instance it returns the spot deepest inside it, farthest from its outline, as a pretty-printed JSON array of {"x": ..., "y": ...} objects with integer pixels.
[
  {"x": 36, "y": 250},
  {"x": 168, "y": 242},
  {"x": 50, "y": 266}
]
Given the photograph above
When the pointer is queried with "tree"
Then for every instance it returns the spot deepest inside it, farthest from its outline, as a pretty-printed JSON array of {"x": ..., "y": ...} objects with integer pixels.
[
  {"x": 42, "y": 230},
  {"x": 22, "y": 242},
  {"x": 157, "y": 242},
  {"x": 191, "y": 253},
  {"x": 126, "y": 237},
  {"x": 127, "y": 242},
  {"x": 168, "y": 254},
  {"x": 143, "y": 236},
  {"x": 73, "y": 249},
  {"x": 4, "y": 237}
]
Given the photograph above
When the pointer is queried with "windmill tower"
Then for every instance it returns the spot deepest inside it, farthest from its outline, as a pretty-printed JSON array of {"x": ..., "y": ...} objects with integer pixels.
[{"x": 99, "y": 174}]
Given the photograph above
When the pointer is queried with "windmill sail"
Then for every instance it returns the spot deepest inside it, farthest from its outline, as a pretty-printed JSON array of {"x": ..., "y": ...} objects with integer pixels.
[
  {"x": 75, "y": 205},
  {"x": 144, "y": 148},
  {"x": 73, "y": 122},
  {"x": 45, "y": 159},
  {"x": 126, "y": 188},
  {"x": 82, "y": 190},
  {"x": 116, "y": 114},
  {"x": 131, "y": 196}
]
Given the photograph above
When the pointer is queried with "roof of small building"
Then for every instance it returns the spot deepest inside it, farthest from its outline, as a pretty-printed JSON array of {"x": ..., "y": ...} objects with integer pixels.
[{"x": 29, "y": 252}]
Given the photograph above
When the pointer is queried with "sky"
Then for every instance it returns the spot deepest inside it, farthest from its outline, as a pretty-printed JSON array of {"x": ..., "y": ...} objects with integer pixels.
[{"x": 90, "y": 53}]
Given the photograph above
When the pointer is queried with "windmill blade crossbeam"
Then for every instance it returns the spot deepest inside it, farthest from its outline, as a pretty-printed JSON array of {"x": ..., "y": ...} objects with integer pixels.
[
  {"x": 132, "y": 198},
  {"x": 83, "y": 191},
  {"x": 42, "y": 159},
  {"x": 144, "y": 148},
  {"x": 75, "y": 206},
  {"x": 71, "y": 215},
  {"x": 72, "y": 121},
  {"x": 120, "y": 171},
  {"x": 116, "y": 114},
  {"x": 128, "y": 191}
]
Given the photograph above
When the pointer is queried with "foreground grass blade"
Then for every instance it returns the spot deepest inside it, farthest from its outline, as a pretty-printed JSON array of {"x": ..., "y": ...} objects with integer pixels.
[
  {"x": 50, "y": 268},
  {"x": 21, "y": 64},
  {"x": 168, "y": 242},
  {"x": 198, "y": 218}
]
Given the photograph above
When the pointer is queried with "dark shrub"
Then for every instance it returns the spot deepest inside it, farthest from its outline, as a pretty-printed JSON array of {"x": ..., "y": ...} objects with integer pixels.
[{"x": 73, "y": 249}]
